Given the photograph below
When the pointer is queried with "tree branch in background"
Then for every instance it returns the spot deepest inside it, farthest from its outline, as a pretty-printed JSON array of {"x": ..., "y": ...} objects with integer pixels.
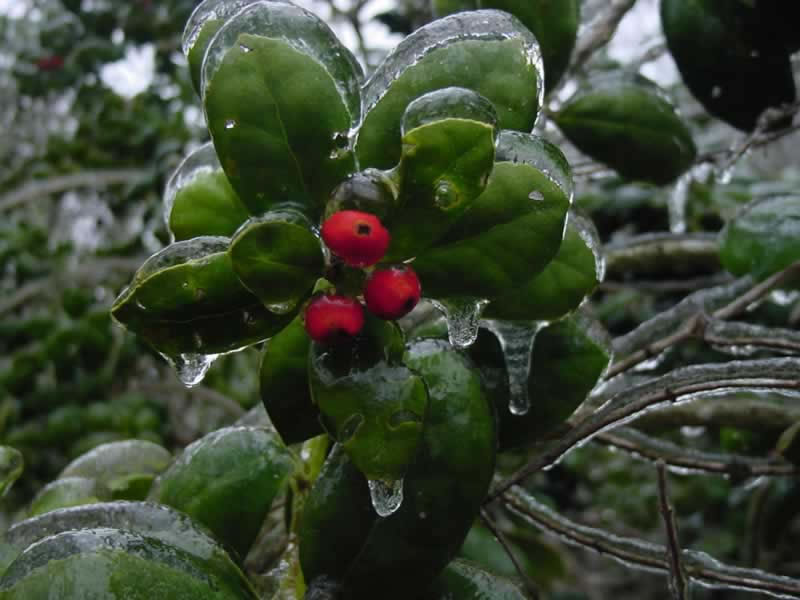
[
  {"x": 531, "y": 587},
  {"x": 678, "y": 583}
]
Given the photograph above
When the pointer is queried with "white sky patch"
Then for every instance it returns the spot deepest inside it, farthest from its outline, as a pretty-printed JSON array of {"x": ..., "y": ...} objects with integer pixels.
[
  {"x": 14, "y": 9},
  {"x": 133, "y": 74}
]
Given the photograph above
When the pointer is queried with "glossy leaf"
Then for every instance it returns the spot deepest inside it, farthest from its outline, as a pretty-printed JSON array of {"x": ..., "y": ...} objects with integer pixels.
[
  {"x": 199, "y": 200},
  {"x": 11, "y": 466},
  {"x": 227, "y": 481},
  {"x": 371, "y": 403},
  {"x": 66, "y": 492},
  {"x": 467, "y": 581},
  {"x": 728, "y": 63},
  {"x": 117, "y": 565},
  {"x": 285, "y": 388},
  {"x": 460, "y": 50},
  {"x": 555, "y": 25},
  {"x": 511, "y": 231},
  {"x": 125, "y": 468},
  {"x": 763, "y": 238},
  {"x": 278, "y": 258},
  {"x": 187, "y": 299},
  {"x": 564, "y": 283},
  {"x": 448, "y": 153},
  {"x": 630, "y": 126},
  {"x": 568, "y": 359},
  {"x": 281, "y": 95}
]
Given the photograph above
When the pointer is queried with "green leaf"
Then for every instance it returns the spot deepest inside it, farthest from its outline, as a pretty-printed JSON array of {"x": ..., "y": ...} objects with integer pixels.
[
  {"x": 370, "y": 401},
  {"x": 460, "y": 50},
  {"x": 117, "y": 565},
  {"x": 448, "y": 153},
  {"x": 567, "y": 360},
  {"x": 285, "y": 388},
  {"x": 281, "y": 95},
  {"x": 278, "y": 258},
  {"x": 630, "y": 126},
  {"x": 66, "y": 492},
  {"x": 199, "y": 200},
  {"x": 187, "y": 299},
  {"x": 11, "y": 466},
  {"x": 467, "y": 581},
  {"x": 788, "y": 445},
  {"x": 728, "y": 63},
  {"x": 564, "y": 283},
  {"x": 763, "y": 238},
  {"x": 124, "y": 467},
  {"x": 227, "y": 481},
  {"x": 510, "y": 232}
]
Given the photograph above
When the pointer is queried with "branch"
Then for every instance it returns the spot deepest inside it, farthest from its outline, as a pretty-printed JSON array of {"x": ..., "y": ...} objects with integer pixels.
[
  {"x": 699, "y": 566},
  {"x": 200, "y": 392},
  {"x": 657, "y": 252},
  {"x": 745, "y": 413},
  {"x": 678, "y": 584},
  {"x": 683, "y": 384},
  {"x": 683, "y": 459},
  {"x": 598, "y": 33},
  {"x": 533, "y": 590},
  {"x": 96, "y": 179}
]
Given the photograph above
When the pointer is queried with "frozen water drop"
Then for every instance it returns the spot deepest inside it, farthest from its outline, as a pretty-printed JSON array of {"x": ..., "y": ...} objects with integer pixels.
[
  {"x": 463, "y": 317},
  {"x": 516, "y": 339},
  {"x": 716, "y": 91},
  {"x": 280, "y": 308},
  {"x": 191, "y": 368},
  {"x": 230, "y": 124},
  {"x": 386, "y": 496},
  {"x": 536, "y": 195},
  {"x": 244, "y": 48},
  {"x": 445, "y": 196}
]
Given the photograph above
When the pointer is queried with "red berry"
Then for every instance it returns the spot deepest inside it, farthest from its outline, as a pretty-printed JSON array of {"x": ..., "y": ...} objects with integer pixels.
[
  {"x": 50, "y": 63},
  {"x": 329, "y": 319},
  {"x": 358, "y": 238},
  {"x": 393, "y": 292}
]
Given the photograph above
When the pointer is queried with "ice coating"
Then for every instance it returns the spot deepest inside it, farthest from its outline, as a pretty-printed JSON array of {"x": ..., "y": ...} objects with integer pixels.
[
  {"x": 471, "y": 25},
  {"x": 211, "y": 10},
  {"x": 201, "y": 161},
  {"x": 300, "y": 29},
  {"x": 517, "y": 147},
  {"x": 463, "y": 316},
  {"x": 386, "y": 496},
  {"x": 588, "y": 232},
  {"x": 191, "y": 368},
  {"x": 448, "y": 103}
]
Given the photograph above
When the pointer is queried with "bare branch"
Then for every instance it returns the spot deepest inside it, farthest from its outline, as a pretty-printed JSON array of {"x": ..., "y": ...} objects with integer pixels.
[
  {"x": 533, "y": 590},
  {"x": 699, "y": 567},
  {"x": 678, "y": 584},
  {"x": 599, "y": 32}
]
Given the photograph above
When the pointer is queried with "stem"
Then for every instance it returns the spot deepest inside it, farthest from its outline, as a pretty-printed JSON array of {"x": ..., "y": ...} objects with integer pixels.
[
  {"x": 533, "y": 590},
  {"x": 699, "y": 567},
  {"x": 678, "y": 584}
]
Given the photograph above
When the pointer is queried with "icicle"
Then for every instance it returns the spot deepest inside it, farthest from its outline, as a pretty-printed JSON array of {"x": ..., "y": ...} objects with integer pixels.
[
  {"x": 463, "y": 319},
  {"x": 386, "y": 496}
]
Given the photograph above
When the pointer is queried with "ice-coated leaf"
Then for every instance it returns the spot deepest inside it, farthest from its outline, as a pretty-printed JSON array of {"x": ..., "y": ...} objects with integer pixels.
[
  {"x": 734, "y": 68},
  {"x": 277, "y": 257},
  {"x": 554, "y": 23},
  {"x": 281, "y": 95},
  {"x": 631, "y": 126},
  {"x": 227, "y": 481},
  {"x": 564, "y": 283},
  {"x": 487, "y": 51},
  {"x": 199, "y": 200},
  {"x": 187, "y": 300},
  {"x": 467, "y": 581},
  {"x": 448, "y": 153},
  {"x": 511, "y": 231},
  {"x": 788, "y": 445},
  {"x": 763, "y": 238},
  {"x": 66, "y": 492},
  {"x": 11, "y": 466},
  {"x": 153, "y": 521},
  {"x": 126, "y": 468},
  {"x": 371, "y": 403},
  {"x": 285, "y": 389},
  {"x": 118, "y": 565},
  {"x": 568, "y": 358}
]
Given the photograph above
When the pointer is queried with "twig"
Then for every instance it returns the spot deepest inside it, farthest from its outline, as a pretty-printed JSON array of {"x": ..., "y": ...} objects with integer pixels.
[
  {"x": 686, "y": 459},
  {"x": 533, "y": 590},
  {"x": 37, "y": 189},
  {"x": 745, "y": 413},
  {"x": 699, "y": 566},
  {"x": 599, "y": 32},
  {"x": 199, "y": 391},
  {"x": 678, "y": 584},
  {"x": 651, "y": 253},
  {"x": 686, "y": 383}
]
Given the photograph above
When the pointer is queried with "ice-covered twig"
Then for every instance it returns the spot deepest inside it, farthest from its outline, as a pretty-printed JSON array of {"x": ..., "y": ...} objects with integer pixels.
[
  {"x": 678, "y": 583},
  {"x": 700, "y": 567},
  {"x": 531, "y": 587}
]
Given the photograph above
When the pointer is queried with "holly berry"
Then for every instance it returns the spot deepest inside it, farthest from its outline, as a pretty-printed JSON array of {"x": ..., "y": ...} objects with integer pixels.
[
  {"x": 50, "y": 63},
  {"x": 332, "y": 318},
  {"x": 392, "y": 292},
  {"x": 358, "y": 238}
]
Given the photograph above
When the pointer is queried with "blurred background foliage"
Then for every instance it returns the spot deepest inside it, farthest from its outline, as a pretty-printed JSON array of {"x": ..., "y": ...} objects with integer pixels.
[{"x": 96, "y": 109}]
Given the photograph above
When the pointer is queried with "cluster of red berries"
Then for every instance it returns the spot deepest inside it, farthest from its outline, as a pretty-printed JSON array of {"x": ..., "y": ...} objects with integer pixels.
[{"x": 360, "y": 240}]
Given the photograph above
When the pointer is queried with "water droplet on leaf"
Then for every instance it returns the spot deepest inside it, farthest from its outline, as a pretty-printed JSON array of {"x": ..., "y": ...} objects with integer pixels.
[
  {"x": 463, "y": 317},
  {"x": 386, "y": 496},
  {"x": 230, "y": 124},
  {"x": 536, "y": 195}
]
